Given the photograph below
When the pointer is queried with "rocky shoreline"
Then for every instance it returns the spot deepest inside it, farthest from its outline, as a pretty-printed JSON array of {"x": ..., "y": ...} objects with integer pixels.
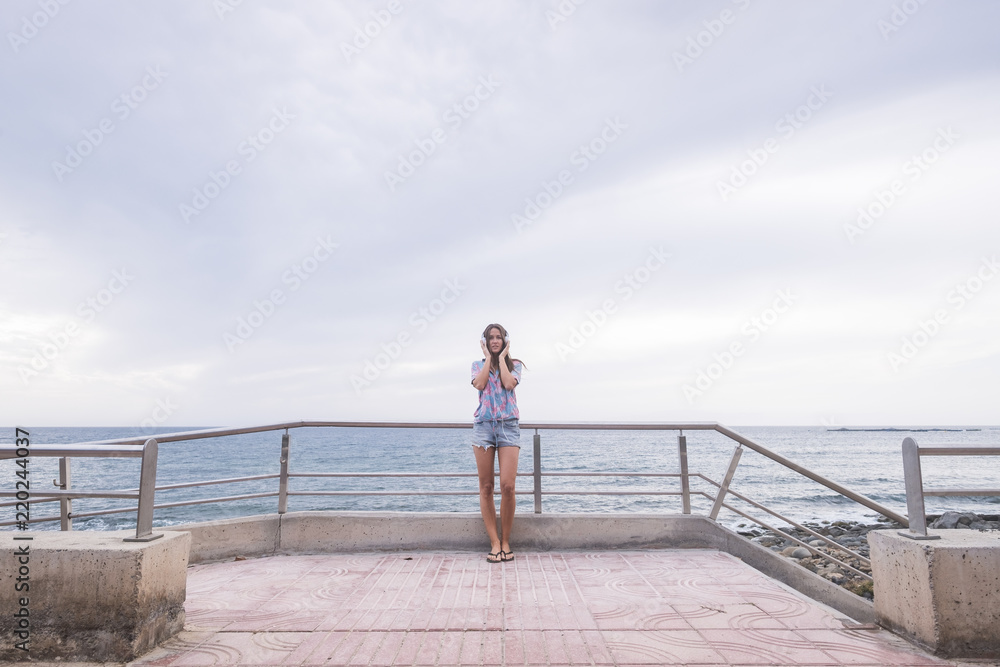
[{"x": 852, "y": 536}]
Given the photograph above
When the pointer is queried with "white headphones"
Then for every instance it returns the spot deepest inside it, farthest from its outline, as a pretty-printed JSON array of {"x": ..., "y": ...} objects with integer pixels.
[{"x": 506, "y": 338}]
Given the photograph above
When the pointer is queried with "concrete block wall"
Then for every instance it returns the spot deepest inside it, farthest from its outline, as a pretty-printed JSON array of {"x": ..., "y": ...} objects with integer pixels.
[
  {"x": 944, "y": 593},
  {"x": 89, "y": 595}
]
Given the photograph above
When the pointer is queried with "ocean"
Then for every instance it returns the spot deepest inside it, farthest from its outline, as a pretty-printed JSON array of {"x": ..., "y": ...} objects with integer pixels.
[{"x": 867, "y": 462}]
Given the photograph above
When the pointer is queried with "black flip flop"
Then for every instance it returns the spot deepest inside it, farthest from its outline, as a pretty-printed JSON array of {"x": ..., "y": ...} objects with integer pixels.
[
  {"x": 506, "y": 556},
  {"x": 494, "y": 557}
]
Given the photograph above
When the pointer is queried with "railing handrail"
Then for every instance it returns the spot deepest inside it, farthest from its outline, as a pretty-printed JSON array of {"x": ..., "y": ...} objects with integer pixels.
[
  {"x": 802, "y": 470},
  {"x": 75, "y": 450},
  {"x": 147, "y": 487},
  {"x": 594, "y": 426},
  {"x": 914, "y": 481},
  {"x": 559, "y": 426},
  {"x": 148, "y": 451}
]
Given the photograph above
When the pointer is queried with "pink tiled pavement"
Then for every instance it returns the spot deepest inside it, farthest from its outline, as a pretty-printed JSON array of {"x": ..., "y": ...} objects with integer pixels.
[{"x": 684, "y": 607}]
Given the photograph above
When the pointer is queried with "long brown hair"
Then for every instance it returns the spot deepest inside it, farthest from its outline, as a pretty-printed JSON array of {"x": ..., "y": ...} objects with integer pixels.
[{"x": 495, "y": 358}]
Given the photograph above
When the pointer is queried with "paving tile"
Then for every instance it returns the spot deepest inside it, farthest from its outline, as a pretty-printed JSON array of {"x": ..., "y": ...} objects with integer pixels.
[
  {"x": 743, "y": 616},
  {"x": 472, "y": 648},
  {"x": 386, "y": 652},
  {"x": 428, "y": 651},
  {"x": 259, "y": 620},
  {"x": 246, "y": 648},
  {"x": 336, "y": 648},
  {"x": 513, "y": 647},
  {"x": 409, "y": 646},
  {"x": 450, "y": 648},
  {"x": 555, "y": 647},
  {"x": 327, "y": 598},
  {"x": 597, "y": 648},
  {"x": 438, "y": 619},
  {"x": 174, "y": 648},
  {"x": 333, "y": 620},
  {"x": 664, "y": 647},
  {"x": 794, "y": 611},
  {"x": 492, "y": 648},
  {"x": 645, "y": 607},
  {"x": 535, "y": 652},
  {"x": 301, "y": 653},
  {"x": 765, "y": 647},
  {"x": 366, "y": 649},
  {"x": 575, "y": 647},
  {"x": 862, "y": 647}
]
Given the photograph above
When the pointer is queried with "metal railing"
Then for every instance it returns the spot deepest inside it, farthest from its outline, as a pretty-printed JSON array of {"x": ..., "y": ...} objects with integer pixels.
[
  {"x": 148, "y": 451},
  {"x": 914, "y": 481},
  {"x": 718, "y": 494}
]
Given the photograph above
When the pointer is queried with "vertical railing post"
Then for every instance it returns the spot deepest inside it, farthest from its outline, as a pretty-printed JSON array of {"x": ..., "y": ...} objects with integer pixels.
[
  {"x": 724, "y": 489},
  {"x": 147, "y": 494},
  {"x": 283, "y": 479},
  {"x": 65, "y": 504},
  {"x": 682, "y": 452},
  {"x": 537, "y": 457},
  {"x": 914, "y": 482}
]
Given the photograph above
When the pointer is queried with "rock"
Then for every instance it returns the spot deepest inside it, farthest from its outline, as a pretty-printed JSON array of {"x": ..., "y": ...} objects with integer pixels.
[
  {"x": 951, "y": 520},
  {"x": 800, "y": 552},
  {"x": 817, "y": 543},
  {"x": 947, "y": 520},
  {"x": 835, "y": 532}
]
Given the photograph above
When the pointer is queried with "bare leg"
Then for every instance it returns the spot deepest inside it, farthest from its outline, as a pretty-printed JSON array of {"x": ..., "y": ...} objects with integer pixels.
[
  {"x": 487, "y": 506},
  {"x": 508, "y": 471}
]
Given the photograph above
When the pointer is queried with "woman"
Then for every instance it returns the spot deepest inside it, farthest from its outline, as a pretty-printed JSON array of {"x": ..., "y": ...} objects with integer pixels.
[{"x": 495, "y": 429}]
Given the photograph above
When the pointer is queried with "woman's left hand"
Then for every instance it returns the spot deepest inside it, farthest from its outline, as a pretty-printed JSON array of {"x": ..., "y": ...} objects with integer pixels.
[{"x": 505, "y": 351}]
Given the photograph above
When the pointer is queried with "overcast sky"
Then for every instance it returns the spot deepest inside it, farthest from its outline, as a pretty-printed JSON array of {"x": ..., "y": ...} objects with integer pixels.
[{"x": 232, "y": 212}]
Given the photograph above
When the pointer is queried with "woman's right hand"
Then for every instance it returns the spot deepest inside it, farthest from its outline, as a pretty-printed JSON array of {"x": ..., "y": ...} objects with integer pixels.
[{"x": 486, "y": 352}]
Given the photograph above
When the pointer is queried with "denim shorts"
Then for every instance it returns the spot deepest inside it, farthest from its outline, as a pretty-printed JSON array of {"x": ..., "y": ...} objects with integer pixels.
[{"x": 498, "y": 433}]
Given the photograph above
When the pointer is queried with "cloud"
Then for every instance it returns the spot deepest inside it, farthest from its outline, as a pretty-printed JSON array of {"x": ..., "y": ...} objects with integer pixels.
[{"x": 192, "y": 99}]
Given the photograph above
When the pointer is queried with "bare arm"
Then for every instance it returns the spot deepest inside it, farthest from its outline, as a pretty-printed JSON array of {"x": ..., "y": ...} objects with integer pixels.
[
  {"x": 483, "y": 376},
  {"x": 506, "y": 379}
]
